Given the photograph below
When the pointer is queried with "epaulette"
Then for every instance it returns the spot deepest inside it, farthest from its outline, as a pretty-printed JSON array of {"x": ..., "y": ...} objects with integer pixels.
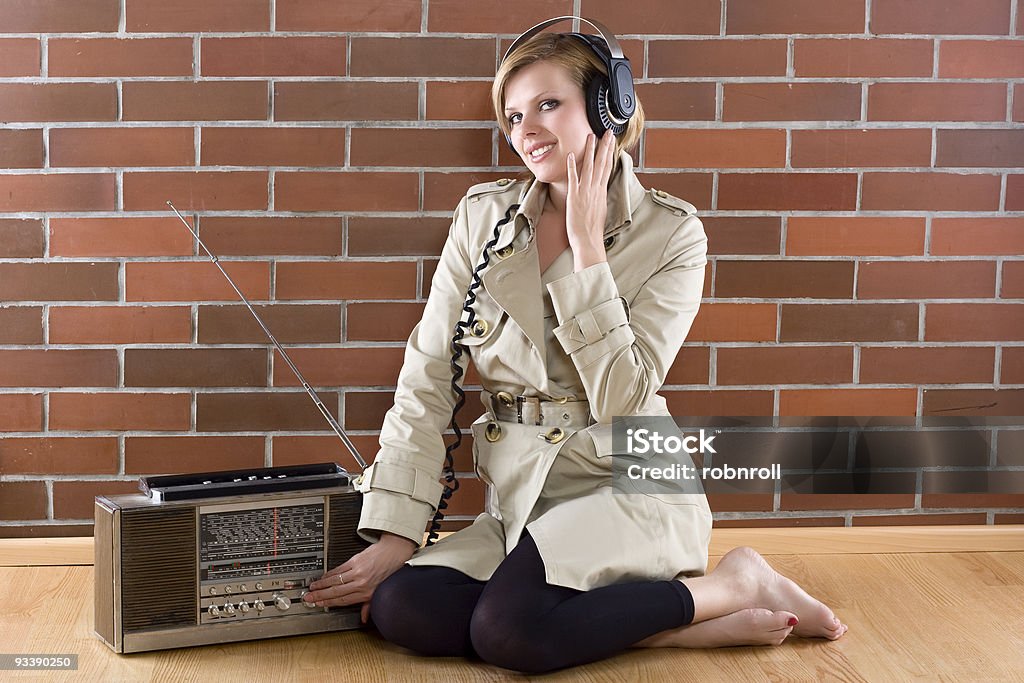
[
  {"x": 677, "y": 205},
  {"x": 499, "y": 185}
]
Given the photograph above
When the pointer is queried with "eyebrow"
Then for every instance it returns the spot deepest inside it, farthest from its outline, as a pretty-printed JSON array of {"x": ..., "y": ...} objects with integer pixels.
[{"x": 537, "y": 97}]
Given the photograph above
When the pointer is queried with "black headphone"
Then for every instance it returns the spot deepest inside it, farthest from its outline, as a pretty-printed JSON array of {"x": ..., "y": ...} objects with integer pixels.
[{"x": 610, "y": 98}]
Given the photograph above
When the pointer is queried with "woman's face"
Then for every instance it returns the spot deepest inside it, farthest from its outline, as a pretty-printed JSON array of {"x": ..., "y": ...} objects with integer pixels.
[{"x": 548, "y": 118}]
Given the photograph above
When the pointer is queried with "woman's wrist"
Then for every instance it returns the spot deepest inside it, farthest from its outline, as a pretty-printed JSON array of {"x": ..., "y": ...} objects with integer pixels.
[{"x": 390, "y": 540}]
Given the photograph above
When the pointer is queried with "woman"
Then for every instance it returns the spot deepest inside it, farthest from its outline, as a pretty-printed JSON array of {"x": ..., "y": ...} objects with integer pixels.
[{"x": 589, "y": 288}]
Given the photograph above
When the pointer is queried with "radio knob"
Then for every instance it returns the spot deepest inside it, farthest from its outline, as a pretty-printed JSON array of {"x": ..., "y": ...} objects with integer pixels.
[
  {"x": 282, "y": 602},
  {"x": 227, "y": 589},
  {"x": 244, "y": 606},
  {"x": 242, "y": 588},
  {"x": 229, "y": 608},
  {"x": 259, "y": 586},
  {"x": 214, "y": 611},
  {"x": 259, "y": 605},
  {"x": 213, "y": 590}
]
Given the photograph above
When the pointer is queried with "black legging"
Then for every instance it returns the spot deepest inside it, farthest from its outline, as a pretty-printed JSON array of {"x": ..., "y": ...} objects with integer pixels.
[{"x": 516, "y": 619}]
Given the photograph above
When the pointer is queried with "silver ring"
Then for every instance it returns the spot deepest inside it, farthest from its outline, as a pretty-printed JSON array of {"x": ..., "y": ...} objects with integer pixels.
[{"x": 341, "y": 578}]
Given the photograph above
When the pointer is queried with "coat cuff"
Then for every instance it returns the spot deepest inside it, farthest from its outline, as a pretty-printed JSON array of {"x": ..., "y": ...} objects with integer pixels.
[
  {"x": 587, "y": 306},
  {"x": 395, "y": 513}
]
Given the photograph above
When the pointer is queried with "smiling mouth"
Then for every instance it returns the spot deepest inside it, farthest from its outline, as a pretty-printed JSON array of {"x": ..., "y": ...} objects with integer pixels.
[{"x": 541, "y": 152}]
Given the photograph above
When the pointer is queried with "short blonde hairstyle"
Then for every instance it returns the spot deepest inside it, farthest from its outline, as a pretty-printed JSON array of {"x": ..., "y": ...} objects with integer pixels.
[{"x": 576, "y": 58}]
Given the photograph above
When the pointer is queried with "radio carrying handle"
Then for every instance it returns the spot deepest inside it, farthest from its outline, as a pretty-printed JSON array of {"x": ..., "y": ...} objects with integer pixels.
[{"x": 284, "y": 354}]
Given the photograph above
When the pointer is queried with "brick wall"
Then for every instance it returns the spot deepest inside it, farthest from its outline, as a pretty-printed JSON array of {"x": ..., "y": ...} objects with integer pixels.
[{"x": 856, "y": 163}]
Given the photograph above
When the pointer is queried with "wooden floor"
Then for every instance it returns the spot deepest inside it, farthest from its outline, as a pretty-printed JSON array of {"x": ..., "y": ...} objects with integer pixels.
[{"x": 928, "y": 604}]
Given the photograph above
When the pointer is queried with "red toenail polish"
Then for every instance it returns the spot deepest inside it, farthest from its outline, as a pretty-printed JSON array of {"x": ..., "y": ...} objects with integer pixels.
[{"x": 793, "y": 621}]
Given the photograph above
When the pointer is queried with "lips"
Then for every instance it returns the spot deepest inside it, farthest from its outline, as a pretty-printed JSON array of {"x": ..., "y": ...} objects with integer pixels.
[{"x": 540, "y": 152}]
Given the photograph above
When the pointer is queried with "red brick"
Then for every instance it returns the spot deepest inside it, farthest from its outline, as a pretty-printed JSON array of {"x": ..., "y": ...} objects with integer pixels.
[
  {"x": 929, "y": 192},
  {"x": 262, "y": 411},
  {"x": 862, "y": 148},
  {"x": 58, "y": 102},
  {"x": 119, "y": 411},
  {"x": 257, "y": 236},
  {"x": 396, "y": 236},
  {"x": 76, "y": 499},
  {"x": 977, "y": 236},
  {"x": 790, "y": 102},
  {"x": 277, "y": 56},
  {"x": 120, "y": 324},
  {"x": 972, "y": 500},
  {"x": 345, "y": 191},
  {"x": 57, "y": 192},
  {"x": 784, "y": 279},
  {"x": 940, "y": 16},
  {"x": 273, "y": 147},
  {"x": 21, "y": 148},
  {"x": 795, "y": 16},
  {"x": 21, "y": 412},
  {"x": 293, "y": 324},
  {"x": 21, "y": 237},
  {"x": 58, "y": 368},
  {"x": 854, "y": 236},
  {"x": 455, "y": 16},
  {"x": 194, "y": 101},
  {"x": 180, "y": 454},
  {"x": 346, "y": 280},
  {"x": 734, "y": 235},
  {"x": 1014, "y": 193},
  {"x": 195, "y": 281},
  {"x": 937, "y": 102},
  {"x": 330, "y": 15},
  {"x": 658, "y": 17},
  {"x": 974, "y": 322},
  {"x": 981, "y": 59},
  {"x": 77, "y": 57},
  {"x": 54, "y": 455},
  {"x": 926, "y": 365},
  {"x": 918, "y": 520},
  {"x": 722, "y": 402},
  {"x": 381, "y": 321},
  {"x": 787, "y": 191},
  {"x": 738, "y": 502},
  {"x": 58, "y": 16},
  {"x": 1012, "y": 368},
  {"x": 862, "y": 57},
  {"x": 849, "y": 322},
  {"x": 442, "y": 191},
  {"x": 677, "y": 101},
  {"x": 785, "y": 365},
  {"x": 345, "y": 101},
  {"x": 985, "y": 148},
  {"x": 22, "y": 500},
  {"x": 674, "y": 58},
  {"x": 195, "y": 368},
  {"x": 851, "y": 501},
  {"x": 366, "y": 409},
  {"x": 459, "y": 101},
  {"x": 195, "y": 190},
  {"x": 375, "y": 366},
  {"x": 19, "y": 57},
  {"x": 773, "y": 522},
  {"x": 122, "y": 147},
  {"x": 692, "y": 365},
  {"x": 960, "y": 402},
  {"x": 744, "y": 148},
  {"x": 926, "y": 280},
  {"x": 156, "y": 16},
  {"x": 300, "y": 450},
  {"x": 58, "y": 281},
  {"x": 1018, "y": 99},
  {"x": 734, "y": 322},
  {"x": 1013, "y": 280},
  {"x": 426, "y": 56},
  {"x": 119, "y": 236},
  {"x": 848, "y": 402},
  {"x": 416, "y": 147},
  {"x": 21, "y": 325}
]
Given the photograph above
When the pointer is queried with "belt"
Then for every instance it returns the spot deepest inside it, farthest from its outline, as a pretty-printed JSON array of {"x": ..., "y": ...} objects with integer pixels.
[{"x": 532, "y": 410}]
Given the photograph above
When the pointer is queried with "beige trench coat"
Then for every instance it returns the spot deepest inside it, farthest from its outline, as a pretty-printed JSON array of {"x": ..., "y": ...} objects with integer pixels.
[{"x": 601, "y": 339}]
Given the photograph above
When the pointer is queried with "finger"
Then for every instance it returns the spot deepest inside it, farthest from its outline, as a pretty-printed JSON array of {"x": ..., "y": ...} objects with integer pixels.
[
  {"x": 587, "y": 171},
  {"x": 607, "y": 156},
  {"x": 571, "y": 164}
]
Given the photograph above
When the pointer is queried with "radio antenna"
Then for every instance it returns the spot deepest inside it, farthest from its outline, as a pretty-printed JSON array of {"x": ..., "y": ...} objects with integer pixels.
[{"x": 284, "y": 354}]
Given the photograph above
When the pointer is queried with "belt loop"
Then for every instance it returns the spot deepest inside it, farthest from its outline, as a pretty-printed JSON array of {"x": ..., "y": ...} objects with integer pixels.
[{"x": 519, "y": 409}]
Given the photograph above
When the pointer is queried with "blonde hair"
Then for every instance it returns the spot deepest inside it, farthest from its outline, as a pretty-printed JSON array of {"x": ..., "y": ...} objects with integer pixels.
[{"x": 576, "y": 58}]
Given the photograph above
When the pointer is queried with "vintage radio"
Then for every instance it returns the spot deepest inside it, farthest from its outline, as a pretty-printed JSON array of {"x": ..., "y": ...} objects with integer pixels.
[
  {"x": 221, "y": 557},
  {"x": 225, "y": 556}
]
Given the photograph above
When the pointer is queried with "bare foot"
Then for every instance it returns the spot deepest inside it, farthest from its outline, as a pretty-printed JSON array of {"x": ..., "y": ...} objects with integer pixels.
[
  {"x": 745, "y": 627},
  {"x": 773, "y": 591}
]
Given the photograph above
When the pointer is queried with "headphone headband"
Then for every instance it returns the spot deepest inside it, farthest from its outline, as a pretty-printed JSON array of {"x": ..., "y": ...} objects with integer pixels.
[{"x": 613, "y": 44}]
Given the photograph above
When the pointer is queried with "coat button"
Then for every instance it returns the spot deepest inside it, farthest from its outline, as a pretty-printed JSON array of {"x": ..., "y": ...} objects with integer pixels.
[
  {"x": 609, "y": 241},
  {"x": 505, "y": 251},
  {"x": 661, "y": 193},
  {"x": 506, "y": 399},
  {"x": 479, "y": 328},
  {"x": 553, "y": 436},
  {"x": 492, "y": 432},
  {"x": 502, "y": 182}
]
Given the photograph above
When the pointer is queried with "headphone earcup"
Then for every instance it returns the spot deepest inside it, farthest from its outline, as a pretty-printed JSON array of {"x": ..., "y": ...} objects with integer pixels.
[{"x": 599, "y": 112}]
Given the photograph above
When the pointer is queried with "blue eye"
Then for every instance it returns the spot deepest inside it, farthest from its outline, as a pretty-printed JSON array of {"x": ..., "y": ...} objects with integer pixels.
[
  {"x": 545, "y": 103},
  {"x": 512, "y": 120}
]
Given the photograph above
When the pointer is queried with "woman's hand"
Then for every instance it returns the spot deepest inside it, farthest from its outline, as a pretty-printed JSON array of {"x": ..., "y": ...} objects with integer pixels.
[
  {"x": 586, "y": 204},
  {"x": 361, "y": 574}
]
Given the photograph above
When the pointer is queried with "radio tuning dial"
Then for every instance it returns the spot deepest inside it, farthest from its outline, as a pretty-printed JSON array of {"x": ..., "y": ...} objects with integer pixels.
[
  {"x": 258, "y": 604},
  {"x": 282, "y": 602}
]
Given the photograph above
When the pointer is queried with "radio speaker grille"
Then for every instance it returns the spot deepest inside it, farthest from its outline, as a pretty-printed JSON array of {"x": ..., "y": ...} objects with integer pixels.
[
  {"x": 343, "y": 541},
  {"x": 158, "y": 569}
]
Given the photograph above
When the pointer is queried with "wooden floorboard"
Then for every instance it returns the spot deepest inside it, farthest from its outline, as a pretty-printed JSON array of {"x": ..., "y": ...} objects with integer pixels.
[{"x": 925, "y": 615}]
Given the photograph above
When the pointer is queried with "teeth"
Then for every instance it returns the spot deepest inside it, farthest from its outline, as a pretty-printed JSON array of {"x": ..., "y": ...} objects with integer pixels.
[{"x": 537, "y": 152}]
